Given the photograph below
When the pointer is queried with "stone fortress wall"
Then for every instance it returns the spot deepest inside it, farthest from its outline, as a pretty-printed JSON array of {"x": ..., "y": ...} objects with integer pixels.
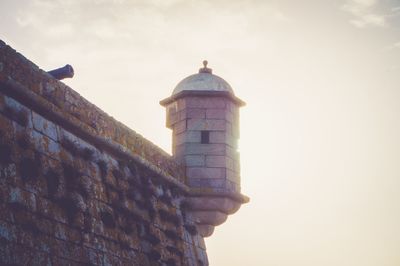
[{"x": 79, "y": 188}]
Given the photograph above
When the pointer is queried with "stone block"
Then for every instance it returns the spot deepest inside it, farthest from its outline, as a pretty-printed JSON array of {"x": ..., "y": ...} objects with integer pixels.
[
  {"x": 233, "y": 176},
  {"x": 72, "y": 97},
  {"x": 44, "y": 126},
  {"x": 204, "y": 172},
  {"x": 179, "y": 127},
  {"x": 222, "y": 204},
  {"x": 229, "y": 116},
  {"x": 18, "y": 254},
  {"x": 67, "y": 250},
  {"x": 194, "y": 160},
  {"x": 46, "y": 145},
  {"x": 233, "y": 108},
  {"x": 209, "y": 217},
  {"x": 232, "y": 153},
  {"x": 187, "y": 137},
  {"x": 217, "y": 185},
  {"x": 171, "y": 119},
  {"x": 44, "y": 226},
  {"x": 22, "y": 198},
  {"x": 6, "y": 128},
  {"x": 64, "y": 134},
  {"x": 9, "y": 173},
  {"x": 235, "y": 129},
  {"x": 228, "y": 127},
  {"x": 189, "y": 254},
  {"x": 203, "y": 258},
  {"x": 200, "y": 149},
  {"x": 206, "y": 124},
  {"x": 172, "y": 108},
  {"x": 206, "y": 182},
  {"x": 206, "y": 102},
  {"x": 50, "y": 210},
  {"x": 180, "y": 104},
  {"x": 173, "y": 115},
  {"x": 205, "y": 230},
  {"x": 223, "y": 137},
  {"x": 19, "y": 108},
  {"x": 219, "y": 161},
  {"x": 213, "y": 113},
  {"x": 195, "y": 113},
  {"x": 7, "y": 231},
  {"x": 202, "y": 245},
  {"x": 236, "y": 166},
  {"x": 218, "y": 136},
  {"x": 91, "y": 256}
]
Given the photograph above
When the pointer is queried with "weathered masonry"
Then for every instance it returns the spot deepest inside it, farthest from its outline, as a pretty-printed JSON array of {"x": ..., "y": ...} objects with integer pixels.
[{"x": 78, "y": 187}]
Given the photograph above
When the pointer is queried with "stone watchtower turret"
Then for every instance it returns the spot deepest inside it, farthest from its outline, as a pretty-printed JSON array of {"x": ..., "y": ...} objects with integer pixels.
[{"x": 203, "y": 113}]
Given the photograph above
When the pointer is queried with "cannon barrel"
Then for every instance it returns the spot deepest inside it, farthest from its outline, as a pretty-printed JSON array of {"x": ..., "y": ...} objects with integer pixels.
[{"x": 63, "y": 72}]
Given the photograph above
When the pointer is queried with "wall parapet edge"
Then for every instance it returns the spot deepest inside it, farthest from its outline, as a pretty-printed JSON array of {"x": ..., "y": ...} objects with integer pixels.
[
  {"x": 45, "y": 108},
  {"x": 14, "y": 67}
]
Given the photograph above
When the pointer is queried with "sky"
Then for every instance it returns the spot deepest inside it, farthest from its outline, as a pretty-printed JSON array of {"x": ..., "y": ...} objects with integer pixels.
[{"x": 319, "y": 145}]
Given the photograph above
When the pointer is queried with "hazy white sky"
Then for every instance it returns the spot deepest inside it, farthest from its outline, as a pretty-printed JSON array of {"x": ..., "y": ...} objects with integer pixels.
[{"x": 320, "y": 133}]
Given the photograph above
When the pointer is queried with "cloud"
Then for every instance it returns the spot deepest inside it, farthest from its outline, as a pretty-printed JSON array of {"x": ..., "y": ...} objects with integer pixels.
[
  {"x": 366, "y": 3},
  {"x": 369, "y": 19},
  {"x": 396, "y": 9},
  {"x": 363, "y": 12},
  {"x": 280, "y": 17}
]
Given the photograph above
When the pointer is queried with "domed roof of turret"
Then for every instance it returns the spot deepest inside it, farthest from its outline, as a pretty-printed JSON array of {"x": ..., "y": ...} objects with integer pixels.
[{"x": 203, "y": 81}]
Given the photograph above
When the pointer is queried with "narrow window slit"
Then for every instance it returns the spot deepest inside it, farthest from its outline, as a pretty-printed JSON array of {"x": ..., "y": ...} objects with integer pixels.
[{"x": 205, "y": 137}]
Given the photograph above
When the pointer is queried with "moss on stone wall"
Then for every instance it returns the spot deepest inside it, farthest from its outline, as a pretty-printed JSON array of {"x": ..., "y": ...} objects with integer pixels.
[
  {"x": 65, "y": 200},
  {"x": 17, "y": 68}
]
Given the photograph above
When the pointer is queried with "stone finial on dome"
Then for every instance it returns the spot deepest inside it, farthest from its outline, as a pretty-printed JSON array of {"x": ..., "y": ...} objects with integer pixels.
[{"x": 205, "y": 69}]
